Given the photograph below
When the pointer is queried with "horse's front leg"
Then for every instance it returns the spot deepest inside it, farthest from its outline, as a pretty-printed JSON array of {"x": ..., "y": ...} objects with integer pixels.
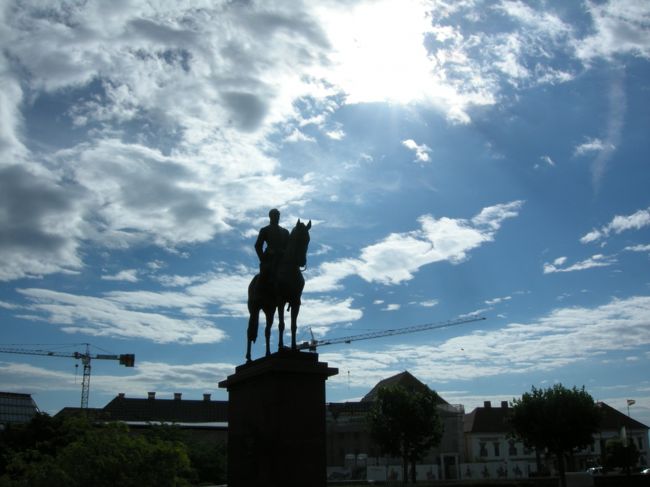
[
  {"x": 267, "y": 331},
  {"x": 295, "y": 308},
  {"x": 281, "y": 326}
]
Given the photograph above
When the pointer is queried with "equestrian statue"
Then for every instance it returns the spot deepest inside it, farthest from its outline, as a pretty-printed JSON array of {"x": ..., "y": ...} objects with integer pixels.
[{"x": 280, "y": 281}]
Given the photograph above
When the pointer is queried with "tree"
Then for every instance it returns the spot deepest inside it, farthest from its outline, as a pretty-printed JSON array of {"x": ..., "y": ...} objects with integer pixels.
[
  {"x": 558, "y": 419},
  {"x": 74, "y": 453},
  {"x": 622, "y": 454},
  {"x": 405, "y": 424}
]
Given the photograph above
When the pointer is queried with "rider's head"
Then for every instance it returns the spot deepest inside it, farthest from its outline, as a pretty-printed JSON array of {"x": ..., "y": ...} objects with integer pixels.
[{"x": 274, "y": 215}]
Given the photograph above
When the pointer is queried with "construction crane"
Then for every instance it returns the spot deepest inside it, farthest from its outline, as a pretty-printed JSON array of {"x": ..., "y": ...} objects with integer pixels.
[
  {"x": 127, "y": 359},
  {"x": 313, "y": 343}
]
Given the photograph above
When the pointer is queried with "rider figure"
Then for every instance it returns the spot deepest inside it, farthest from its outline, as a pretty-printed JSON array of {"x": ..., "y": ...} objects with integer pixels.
[{"x": 276, "y": 239}]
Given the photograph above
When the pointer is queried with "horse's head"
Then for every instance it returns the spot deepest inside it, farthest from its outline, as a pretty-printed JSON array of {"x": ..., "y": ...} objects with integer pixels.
[{"x": 300, "y": 242}]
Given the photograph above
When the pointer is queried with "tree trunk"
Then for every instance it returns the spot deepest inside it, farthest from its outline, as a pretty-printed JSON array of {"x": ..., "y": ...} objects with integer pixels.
[{"x": 561, "y": 468}]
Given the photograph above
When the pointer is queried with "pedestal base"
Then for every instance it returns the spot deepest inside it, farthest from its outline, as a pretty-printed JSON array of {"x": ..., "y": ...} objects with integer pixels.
[{"x": 276, "y": 421}]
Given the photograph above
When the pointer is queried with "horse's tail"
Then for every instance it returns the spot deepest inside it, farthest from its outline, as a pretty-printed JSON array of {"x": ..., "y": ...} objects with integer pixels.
[{"x": 254, "y": 314}]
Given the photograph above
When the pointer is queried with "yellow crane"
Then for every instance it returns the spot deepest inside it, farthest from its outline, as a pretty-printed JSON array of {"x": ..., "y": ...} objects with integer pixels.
[{"x": 126, "y": 359}]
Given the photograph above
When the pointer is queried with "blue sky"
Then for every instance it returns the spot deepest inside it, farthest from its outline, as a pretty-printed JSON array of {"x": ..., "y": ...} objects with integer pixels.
[{"x": 456, "y": 158}]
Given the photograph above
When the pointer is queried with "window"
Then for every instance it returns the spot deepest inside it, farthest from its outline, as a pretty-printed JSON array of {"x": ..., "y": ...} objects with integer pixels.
[
  {"x": 497, "y": 452},
  {"x": 483, "y": 449},
  {"x": 512, "y": 448}
]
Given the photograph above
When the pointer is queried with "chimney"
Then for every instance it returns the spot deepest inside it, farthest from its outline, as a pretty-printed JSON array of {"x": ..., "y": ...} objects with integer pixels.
[
  {"x": 206, "y": 397},
  {"x": 487, "y": 404},
  {"x": 120, "y": 395},
  {"x": 504, "y": 404},
  {"x": 177, "y": 396},
  {"x": 151, "y": 395}
]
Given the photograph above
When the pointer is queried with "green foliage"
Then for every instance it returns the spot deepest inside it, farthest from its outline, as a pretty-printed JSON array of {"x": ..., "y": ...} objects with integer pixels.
[
  {"x": 74, "y": 453},
  {"x": 556, "y": 418},
  {"x": 405, "y": 424},
  {"x": 621, "y": 454}
]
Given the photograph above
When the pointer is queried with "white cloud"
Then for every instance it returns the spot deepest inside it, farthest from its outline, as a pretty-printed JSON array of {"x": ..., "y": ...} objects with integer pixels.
[
  {"x": 548, "y": 160},
  {"x": 619, "y": 224},
  {"x": 298, "y": 136},
  {"x": 592, "y": 145},
  {"x": 491, "y": 302},
  {"x": 620, "y": 27},
  {"x": 421, "y": 151},
  {"x": 638, "y": 248},
  {"x": 564, "y": 336},
  {"x": 392, "y": 307},
  {"x": 597, "y": 260},
  {"x": 337, "y": 134},
  {"x": 430, "y": 303},
  {"x": 129, "y": 275},
  {"x": 395, "y": 258},
  {"x": 108, "y": 317}
]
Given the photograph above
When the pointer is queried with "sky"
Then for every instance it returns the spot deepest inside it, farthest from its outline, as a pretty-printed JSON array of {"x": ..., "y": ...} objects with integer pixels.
[{"x": 456, "y": 158}]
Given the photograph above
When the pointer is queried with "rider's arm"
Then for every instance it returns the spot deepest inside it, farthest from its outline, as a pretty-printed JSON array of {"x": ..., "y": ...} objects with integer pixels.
[{"x": 259, "y": 244}]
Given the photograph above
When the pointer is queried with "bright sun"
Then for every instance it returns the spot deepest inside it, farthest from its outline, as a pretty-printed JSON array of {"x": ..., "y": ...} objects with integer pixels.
[{"x": 379, "y": 52}]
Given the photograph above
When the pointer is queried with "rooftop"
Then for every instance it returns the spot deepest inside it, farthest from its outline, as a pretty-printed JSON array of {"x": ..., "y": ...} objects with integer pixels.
[{"x": 16, "y": 407}]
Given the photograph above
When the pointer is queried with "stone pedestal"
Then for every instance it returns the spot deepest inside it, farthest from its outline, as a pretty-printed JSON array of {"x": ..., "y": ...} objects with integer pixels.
[{"x": 276, "y": 421}]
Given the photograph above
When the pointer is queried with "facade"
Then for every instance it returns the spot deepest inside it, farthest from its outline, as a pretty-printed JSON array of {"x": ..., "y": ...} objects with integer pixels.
[
  {"x": 491, "y": 452},
  {"x": 16, "y": 408},
  {"x": 351, "y": 453}
]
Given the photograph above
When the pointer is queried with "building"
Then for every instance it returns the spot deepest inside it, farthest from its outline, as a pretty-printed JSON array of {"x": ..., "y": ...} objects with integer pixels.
[
  {"x": 351, "y": 453},
  {"x": 491, "y": 452},
  {"x": 205, "y": 418},
  {"x": 16, "y": 408}
]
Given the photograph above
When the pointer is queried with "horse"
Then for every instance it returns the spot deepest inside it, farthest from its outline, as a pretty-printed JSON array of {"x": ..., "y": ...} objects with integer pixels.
[{"x": 285, "y": 287}]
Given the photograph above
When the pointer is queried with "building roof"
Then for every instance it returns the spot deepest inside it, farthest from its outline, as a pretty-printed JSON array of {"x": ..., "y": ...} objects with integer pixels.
[
  {"x": 613, "y": 419},
  {"x": 404, "y": 379},
  {"x": 175, "y": 410},
  {"x": 16, "y": 407},
  {"x": 488, "y": 419}
]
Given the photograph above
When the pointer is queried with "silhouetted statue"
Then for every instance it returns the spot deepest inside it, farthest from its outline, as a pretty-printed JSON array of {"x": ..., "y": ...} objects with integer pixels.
[
  {"x": 276, "y": 238},
  {"x": 280, "y": 279}
]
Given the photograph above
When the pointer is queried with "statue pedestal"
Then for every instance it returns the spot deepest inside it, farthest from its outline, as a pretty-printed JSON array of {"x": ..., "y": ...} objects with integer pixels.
[{"x": 276, "y": 421}]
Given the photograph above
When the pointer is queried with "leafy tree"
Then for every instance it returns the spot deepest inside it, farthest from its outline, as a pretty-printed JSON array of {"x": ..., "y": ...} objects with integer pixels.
[
  {"x": 405, "y": 424},
  {"x": 622, "y": 454},
  {"x": 76, "y": 453},
  {"x": 556, "y": 418}
]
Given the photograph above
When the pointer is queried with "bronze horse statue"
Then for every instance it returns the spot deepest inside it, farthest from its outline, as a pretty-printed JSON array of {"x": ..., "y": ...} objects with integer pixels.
[{"x": 285, "y": 287}]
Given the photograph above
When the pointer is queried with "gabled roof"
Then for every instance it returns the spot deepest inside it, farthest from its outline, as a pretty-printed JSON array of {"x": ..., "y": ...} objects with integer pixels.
[
  {"x": 16, "y": 407},
  {"x": 167, "y": 410},
  {"x": 613, "y": 419},
  {"x": 404, "y": 379}
]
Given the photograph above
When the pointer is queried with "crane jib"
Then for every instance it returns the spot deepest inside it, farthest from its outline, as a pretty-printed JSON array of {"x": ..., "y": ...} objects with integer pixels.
[{"x": 313, "y": 343}]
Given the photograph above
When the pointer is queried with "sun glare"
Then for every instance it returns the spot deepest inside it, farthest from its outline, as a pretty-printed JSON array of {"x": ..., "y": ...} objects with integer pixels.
[{"x": 379, "y": 51}]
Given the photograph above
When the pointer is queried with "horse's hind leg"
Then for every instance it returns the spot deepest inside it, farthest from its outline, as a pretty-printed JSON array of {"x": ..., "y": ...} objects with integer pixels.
[
  {"x": 267, "y": 331},
  {"x": 281, "y": 326},
  {"x": 295, "y": 308}
]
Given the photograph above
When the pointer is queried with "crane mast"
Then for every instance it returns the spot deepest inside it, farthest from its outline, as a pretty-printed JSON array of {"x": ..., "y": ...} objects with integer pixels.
[
  {"x": 313, "y": 343},
  {"x": 126, "y": 359}
]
